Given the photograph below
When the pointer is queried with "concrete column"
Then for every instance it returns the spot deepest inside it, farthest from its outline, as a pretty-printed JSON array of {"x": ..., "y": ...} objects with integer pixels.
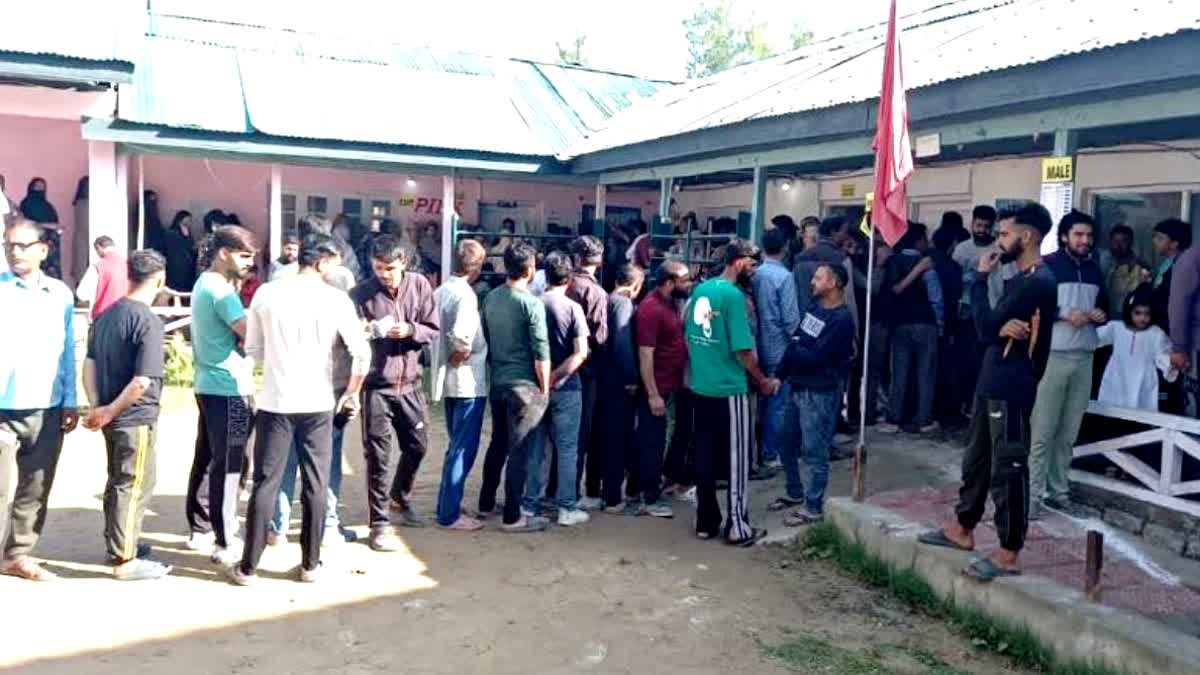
[
  {"x": 601, "y": 215},
  {"x": 275, "y": 213},
  {"x": 108, "y": 210},
  {"x": 449, "y": 224},
  {"x": 664, "y": 199},
  {"x": 758, "y": 203},
  {"x": 141, "y": 197}
]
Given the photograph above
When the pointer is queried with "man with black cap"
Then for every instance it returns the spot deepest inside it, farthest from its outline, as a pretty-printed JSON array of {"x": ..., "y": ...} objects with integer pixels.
[
  {"x": 720, "y": 361},
  {"x": 588, "y": 254},
  {"x": 1017, "y": 332}
]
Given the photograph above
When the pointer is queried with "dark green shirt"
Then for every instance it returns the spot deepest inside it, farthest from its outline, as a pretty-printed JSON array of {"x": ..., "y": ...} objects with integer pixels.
[{"x": 514, "y": 322}]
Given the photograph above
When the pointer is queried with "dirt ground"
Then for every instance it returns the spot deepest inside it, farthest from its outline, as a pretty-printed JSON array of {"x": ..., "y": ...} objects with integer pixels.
[{"x": 618, "y": 595}]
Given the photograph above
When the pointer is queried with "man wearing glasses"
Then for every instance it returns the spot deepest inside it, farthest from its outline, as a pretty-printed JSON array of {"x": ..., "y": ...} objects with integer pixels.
[{"x": 37, "y": 392}]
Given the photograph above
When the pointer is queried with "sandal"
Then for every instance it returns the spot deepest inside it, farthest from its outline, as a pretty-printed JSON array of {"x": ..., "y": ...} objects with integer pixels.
[
  {"x": 985, "y": 570},
  {"x": 784, "y": 503},
  {"x": 25, "y": 568},
  {"x": 464, "y": 523},
  {"x": 801, "y": 518},
  {"x": 939, "y": 538},
  {"x": 756, "y": 535}
]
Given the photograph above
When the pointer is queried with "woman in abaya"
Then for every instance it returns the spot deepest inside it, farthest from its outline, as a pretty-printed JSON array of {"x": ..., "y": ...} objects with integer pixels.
[
  {"x": 37, "y": 208},
  {"x": 180, "y": 255}
]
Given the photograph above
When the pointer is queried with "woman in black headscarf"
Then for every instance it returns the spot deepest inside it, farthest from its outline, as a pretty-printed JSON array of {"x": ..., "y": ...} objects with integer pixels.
[
  {"x": 180, "y": 255},
  {"x": 37, "y": 208},
  {"x": 155, "y": 235}
]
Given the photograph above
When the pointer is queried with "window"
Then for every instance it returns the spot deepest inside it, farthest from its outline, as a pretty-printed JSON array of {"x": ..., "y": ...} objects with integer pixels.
[
  {"x": 317, "y": 205},
  {"x": 353, "y": 208},
  {"x": 289, "y": 211},
  {"x": 380, "y": 210},
  {"x": 1140, "y": 211}
]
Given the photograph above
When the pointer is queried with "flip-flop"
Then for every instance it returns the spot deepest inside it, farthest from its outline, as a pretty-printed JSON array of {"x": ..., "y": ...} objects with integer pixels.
[
  {"x": 143, "y": 570},
  {"x": 784, "y": 503},
  {"x": 984, "y": 570},
  {"x": 939, "y": 538},
  {"x": 531, "y": 524},
  {"x": 801, "y": 518},
  {"x": 463, "y": 524}
]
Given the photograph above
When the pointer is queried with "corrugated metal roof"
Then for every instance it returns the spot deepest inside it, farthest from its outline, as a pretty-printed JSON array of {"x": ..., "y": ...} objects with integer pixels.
[
  {"x": 95, "y": 31},
  {"x": 946, "y": 41},
  {"x": 233, "y": 77}
]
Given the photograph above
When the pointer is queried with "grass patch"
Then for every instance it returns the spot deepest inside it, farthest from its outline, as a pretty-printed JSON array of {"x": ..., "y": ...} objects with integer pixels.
[
  {"x": 1016, "y": 642},
  {"x": 810, "y": 655}
]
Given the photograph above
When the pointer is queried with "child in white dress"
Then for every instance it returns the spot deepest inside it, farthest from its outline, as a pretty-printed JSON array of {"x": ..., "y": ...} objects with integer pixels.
[{"x": 1139, "y": 349}]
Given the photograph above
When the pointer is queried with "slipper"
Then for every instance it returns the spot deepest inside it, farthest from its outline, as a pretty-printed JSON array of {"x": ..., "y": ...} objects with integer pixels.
[
  {"x": 783, "y": 503},
  {"x": 527, "y": 524},
  {"x": 142, "y": 570},
  {"x": 756, "y": 535},
  {"x": 802, "y": 518},
  {"x": 939, "y": 538},
  {"x": 26, "y": 568},
  {"x": 984, "y": 570},
  {"x": 464, "y": 524}
]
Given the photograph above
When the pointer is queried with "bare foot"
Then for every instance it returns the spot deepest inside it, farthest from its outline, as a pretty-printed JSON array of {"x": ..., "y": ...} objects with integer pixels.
[{"x": 464, "y": 523}]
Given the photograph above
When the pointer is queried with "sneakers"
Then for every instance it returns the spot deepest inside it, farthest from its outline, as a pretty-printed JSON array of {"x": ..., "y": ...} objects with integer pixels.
[
  {"x": 312, "y": 576},
  {"x": 528, "y": 513},
  {"x": 276, "y": 538},
  {"x": 888, "y": 428},
  {"x": 384, "y": 540},
  {"x": 201, "y": 541},
  {"x": 621, "y": 509},
  {"x": 589, "y": 504},
  {"x": 658, "y": 510},
  {"x": 572, "y": 517},
  {"x": 526, "y": 524},
  {"x": 237, "y": 577},
  {"x": 228, "y": 555}
]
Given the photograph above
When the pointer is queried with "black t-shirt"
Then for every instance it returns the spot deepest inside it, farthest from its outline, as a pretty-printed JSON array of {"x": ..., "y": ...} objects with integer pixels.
[
  {"x": 565, "y": 323},
  {"x": 126, "y": 341},
  {"x": 1011, "y": 369}
]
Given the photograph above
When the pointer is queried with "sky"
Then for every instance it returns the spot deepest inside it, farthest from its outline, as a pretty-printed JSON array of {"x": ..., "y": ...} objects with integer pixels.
[{"x": 643, "y": 37}]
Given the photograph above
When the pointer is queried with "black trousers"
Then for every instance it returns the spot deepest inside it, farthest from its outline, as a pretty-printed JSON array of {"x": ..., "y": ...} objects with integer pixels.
[
  {"x": 680, "y": 465},
  {"x": 32, "y": 441},
  {"x": 385, "y": 413},
  {"x": 996, "y": 461},
  {"x": 615, "y": 443},
  {"x": 650, "y": 444},
  {"x": 724, "y": 438},
  {"x": 591, "y": 453},
  {"x": 275, "y": 436},
  {"x": 517, "y": 413},
  {"x": 222, "y": 433},
  {"x": 131, "y": 476}
]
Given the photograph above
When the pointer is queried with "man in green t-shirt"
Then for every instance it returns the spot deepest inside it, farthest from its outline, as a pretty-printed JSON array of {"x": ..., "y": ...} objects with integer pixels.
[
  {"x": 720, "y": 360},
  {"x": 514, "y": 323},
  {"x": 224, "y": 384}
]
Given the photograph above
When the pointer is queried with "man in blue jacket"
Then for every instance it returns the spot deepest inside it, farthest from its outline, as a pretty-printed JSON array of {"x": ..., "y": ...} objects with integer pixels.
[
  {"x": 1063, "y": 392},
  {"x": 816, "y": 363}
]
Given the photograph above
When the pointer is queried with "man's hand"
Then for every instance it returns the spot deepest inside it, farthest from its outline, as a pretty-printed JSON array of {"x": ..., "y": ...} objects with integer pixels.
[
  {"x": 770, "y": 386},
  {"x": 923, "y": 265},
  {"x": 400, "y": 330},
  {"x": 658, "y": 407},
  {"x": 987, "y": 262},
  {"x": 1097, "y": 316},
  {"x": 349, "y": 403},
  {"x": 1015, "y": 329},
  {"x": 459, "y": 358},
  {"x": 1180, "y": 361},
  {"x": 1078, "y": 319},
  {"x": 70, "y": 420}
]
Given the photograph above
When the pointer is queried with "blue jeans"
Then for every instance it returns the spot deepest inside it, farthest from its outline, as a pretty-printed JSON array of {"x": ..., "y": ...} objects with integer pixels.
[
  {"x": 819, "y": 410},
  {"x": 778, "y": 423},
  {"x": 562, "y": 425},
  {"x": 287, "y": 492},
  {"x": 464, "y": 423}
]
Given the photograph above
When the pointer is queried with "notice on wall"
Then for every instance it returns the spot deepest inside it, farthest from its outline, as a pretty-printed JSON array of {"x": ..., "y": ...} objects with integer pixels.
[{"x": 1058, "y": 198}]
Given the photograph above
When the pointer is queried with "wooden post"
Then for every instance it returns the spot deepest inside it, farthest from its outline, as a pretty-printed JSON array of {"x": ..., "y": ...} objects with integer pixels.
[{"x": 1094, "y": 565}]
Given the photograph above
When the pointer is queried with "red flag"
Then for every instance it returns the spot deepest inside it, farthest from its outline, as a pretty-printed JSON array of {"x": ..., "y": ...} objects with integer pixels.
[{"x": 893, "y": 150}]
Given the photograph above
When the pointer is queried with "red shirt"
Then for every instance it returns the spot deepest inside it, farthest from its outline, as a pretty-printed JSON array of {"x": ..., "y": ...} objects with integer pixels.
[
  {"x": 659, "y": 325},
  {"x": 112, "y": 282}
]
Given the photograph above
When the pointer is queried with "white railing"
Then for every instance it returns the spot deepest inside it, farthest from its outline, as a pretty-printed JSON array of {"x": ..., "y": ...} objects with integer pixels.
[
  {"x": 1164, "y": 487},
  {"x": 177, "y": 314}
]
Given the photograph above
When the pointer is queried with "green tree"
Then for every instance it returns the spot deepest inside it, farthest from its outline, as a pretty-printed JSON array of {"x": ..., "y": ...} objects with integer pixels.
[
  {"x": 714, "y": 41},
  {"x": 571, "y": 54},
  {"x": 800, "y": 36}
]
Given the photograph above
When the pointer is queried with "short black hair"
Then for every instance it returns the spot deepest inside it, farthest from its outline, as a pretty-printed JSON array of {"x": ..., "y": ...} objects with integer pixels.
[
  {"x": 915, "y": 232},
  {"x": 945, "y": 238},
  {"x": 233, "y": 238},
  {"x": 143, "y": 264},
  {"x": 840, "y": 276},
  {"x": 103, "y": 241},
  {"x": 784, "y": 221},
  {"x": 775, "y": 241},
  {"x": 831, "y": 226},
  {"x": 388, "y": 249},
  {"x": 558, "y": 269},
  {"x": 1142, "y": 295},
  {"x": 953, "y": 221},
  {"x": 1074, "y": 217},
  {"x": 317, "y": 248},
  {"x": 984, "y": 212},
  {"x": 588, "y": 250},
  {"x": 519, "y": 259},
  {"x": 810, "y": 220},
  {"x": 1032, "y": 215},
  {"x": 739, "y": 248},
  {"x": 629, "y": 274},
  {"x": 1121, "y": 229},
  {"x": 1177, "y": 231},
  {"x": 291, "y": 237},
  {"x": 671, "y": 270}
]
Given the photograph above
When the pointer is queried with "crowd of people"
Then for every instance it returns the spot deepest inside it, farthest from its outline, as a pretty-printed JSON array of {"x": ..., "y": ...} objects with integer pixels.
[{"x": 704, "y": 380}]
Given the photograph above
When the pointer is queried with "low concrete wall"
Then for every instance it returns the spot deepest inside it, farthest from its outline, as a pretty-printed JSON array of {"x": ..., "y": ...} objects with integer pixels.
[{"x": 1061, "y": 617}]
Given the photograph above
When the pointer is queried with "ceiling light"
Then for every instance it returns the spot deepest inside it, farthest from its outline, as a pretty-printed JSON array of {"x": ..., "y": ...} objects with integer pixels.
[
  {"x": 412, "y": 182},
  {"x": 786, "y": 185}
]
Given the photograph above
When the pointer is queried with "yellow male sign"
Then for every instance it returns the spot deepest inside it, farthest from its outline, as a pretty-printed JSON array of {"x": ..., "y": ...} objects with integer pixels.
[{"x": 1058, "y": 170}]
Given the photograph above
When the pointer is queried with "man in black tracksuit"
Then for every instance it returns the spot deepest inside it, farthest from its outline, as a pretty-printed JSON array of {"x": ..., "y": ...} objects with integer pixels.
[{"x": 1018, "y": 333}]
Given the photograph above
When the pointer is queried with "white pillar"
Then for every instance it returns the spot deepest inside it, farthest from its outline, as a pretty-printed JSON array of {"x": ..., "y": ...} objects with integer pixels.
[
  {"x": 664, "y": 199},
  {"x": 449, "y": 222},
  {"x": 107, "y": 196},
  {"x": 141, "y": 197},
  {"x": 275, "y": 213},
  {"x": 601, "y": 215}
]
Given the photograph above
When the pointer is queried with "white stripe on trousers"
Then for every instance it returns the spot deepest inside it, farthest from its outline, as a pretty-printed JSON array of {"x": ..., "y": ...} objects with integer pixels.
[{"x": 741, "y": 434}]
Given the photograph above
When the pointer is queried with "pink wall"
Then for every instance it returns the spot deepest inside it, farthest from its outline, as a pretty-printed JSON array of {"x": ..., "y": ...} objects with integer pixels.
[{"x": 52, "y": 149}]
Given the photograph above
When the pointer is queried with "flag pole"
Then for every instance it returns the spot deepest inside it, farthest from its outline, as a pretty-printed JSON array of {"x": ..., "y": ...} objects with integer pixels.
[{"x": 858, "y": 484}]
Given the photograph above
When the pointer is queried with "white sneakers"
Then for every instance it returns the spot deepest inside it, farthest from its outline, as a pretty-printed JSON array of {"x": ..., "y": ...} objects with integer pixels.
[
  {"x": 201, "y": 541},
  {"x": 572, "y": 517},
  {"x": 589, "y": 504}
]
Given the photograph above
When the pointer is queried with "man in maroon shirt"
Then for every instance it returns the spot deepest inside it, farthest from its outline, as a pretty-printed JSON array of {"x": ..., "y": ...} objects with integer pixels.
[
  {"x": 588, "y": 253},
  {"x": 662, "y": 360},
  {"x": 402, "y": 315},
  {"x": 107, "y": 280}
]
